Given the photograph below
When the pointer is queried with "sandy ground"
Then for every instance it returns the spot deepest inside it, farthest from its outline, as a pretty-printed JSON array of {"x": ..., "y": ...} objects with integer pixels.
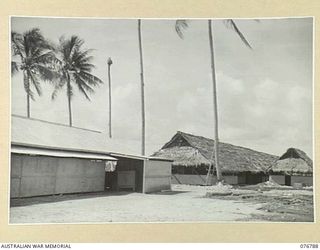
[{"x": 183, "y": 203}]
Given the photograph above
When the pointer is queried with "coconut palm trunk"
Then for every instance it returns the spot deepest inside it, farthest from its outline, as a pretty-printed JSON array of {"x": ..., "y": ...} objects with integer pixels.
[
  {"x": 69, "y": 93},
  {"x": 28, "y": 105},
  {"x": 27, "y": 84},
  {"x": 229, "y": 23},
  {"x": 215, "y": 107},
  {"x": 143, "y": 132},
  {"x": 109, "y": 81}
]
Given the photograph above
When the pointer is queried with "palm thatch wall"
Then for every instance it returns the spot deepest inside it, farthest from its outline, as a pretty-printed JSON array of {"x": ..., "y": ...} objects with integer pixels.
[
  {"x": 292, "y": 162},
  {"x": 193, "y": 151}
]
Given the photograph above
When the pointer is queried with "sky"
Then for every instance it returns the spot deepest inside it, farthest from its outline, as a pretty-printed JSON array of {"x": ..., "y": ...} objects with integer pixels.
[{"x": 265, "y": 95}]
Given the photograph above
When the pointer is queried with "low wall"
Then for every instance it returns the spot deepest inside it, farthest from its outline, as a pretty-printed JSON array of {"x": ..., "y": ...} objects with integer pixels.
[
  {"x": 189, "y": 179},
  {"x": 307, "y": 180},
  {"x": 201, "y": 179},
  {"x": 280, "y": 179}
]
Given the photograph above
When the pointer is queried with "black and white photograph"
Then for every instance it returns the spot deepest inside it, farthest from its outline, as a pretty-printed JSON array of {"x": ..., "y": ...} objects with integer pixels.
[{"x": 176, "y": 120}]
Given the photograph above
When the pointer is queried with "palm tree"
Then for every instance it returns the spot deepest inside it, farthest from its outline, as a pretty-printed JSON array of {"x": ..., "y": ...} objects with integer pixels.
[
  {"x": 74, "y": 67},
  {"x": 34, "y": 56},
  {"x": 109, "y": 80},
  {"x": 179, "y": 26},
  {"x": 143, "y": 133}
]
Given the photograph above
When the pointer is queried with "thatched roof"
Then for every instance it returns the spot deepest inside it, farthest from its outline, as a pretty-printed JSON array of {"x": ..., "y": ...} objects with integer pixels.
[
  {"x": 191, "y": 150},
  {"x": 293, "y": 162}
]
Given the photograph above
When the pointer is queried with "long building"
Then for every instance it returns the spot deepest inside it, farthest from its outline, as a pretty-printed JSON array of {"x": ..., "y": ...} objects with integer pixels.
[
  {"x": 192, "y": 155},
  {"x": 49, "y": 158}
]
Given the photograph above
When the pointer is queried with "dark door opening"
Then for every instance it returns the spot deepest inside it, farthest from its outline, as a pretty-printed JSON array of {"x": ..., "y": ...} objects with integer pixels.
[
  {"x": 110, "y": 181},
  {"x": 287, "y": 180},
  {"x": 253, "y": 179}
]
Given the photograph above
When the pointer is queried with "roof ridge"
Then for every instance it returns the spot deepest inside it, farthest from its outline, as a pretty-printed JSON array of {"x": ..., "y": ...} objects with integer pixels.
[
  {"x": 54, "y": 123},
  {"x": 220, "y": 142},
  {"x": 302, "y": 155},
  {"x": 194, "y": 146}
]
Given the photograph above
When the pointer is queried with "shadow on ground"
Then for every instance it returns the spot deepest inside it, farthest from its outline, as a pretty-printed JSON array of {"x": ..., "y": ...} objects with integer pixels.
[
  {"x": 171, "y": 192},
  {"x": 18, "y": 202}
]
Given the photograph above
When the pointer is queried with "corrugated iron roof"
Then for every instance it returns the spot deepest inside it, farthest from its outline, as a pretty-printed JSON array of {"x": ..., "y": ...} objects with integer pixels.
[
  {"x": 59, "y": 153},
  {"x": 38, "y": 133}
]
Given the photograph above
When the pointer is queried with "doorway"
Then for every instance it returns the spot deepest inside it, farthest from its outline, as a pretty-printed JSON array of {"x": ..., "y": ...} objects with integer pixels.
[
  {"x": 110, "y": 181},
  {"x": 287, "y": 180}
]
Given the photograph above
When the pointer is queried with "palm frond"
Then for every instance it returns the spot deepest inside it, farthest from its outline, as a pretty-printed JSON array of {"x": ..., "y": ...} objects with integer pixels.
[
  {"x": 181, "y": 24},
  {"x": 32, "y": 39},
  {"x": 82, "y": 56},
  {"x": 80, "y": 81},
  {"x": 47, "y": 74},
  {"x": 86, "y": 67},
  {"x": 90, "y": 79},
  {"x": 14, "y": 67},
  {"x": 83, "y": 91},
  {"x": 35, "y": 40},
  {"x": 57, "y": 88},
  {"x": 83, "y": 87},
  {"x": 34, "y": 80},
  {"x": 83, "y": 65},
  {"x": 45, "y": 58},
  {"x": 229, "y": 23},
  {"x": 68, "y": 47},
  {"x": 17, "y": 45}
]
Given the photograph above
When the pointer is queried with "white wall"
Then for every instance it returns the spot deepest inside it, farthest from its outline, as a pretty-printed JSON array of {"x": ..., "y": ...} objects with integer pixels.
[
  {"x": 157, "y": 176},
  {"x": 42, "y": 175}
]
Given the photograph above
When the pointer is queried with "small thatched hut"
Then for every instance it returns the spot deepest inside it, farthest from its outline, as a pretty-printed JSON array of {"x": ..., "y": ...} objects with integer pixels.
[
  {"x": 294, "y": 166},
  {"x": 192, "y": 156}
]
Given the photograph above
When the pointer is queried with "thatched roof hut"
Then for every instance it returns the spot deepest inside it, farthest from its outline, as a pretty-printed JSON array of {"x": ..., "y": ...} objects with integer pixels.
[
  {"x": 194, "y": 151},
  {"x": 292, "y": 162}
]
